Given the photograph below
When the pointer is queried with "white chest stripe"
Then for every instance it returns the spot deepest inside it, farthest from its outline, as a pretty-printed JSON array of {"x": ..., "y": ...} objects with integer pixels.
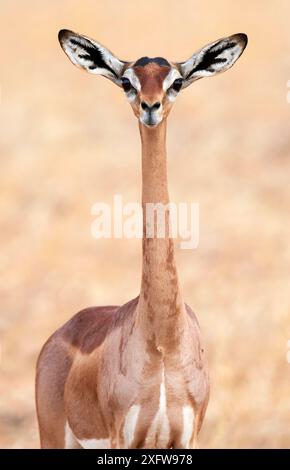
[
  {"x": 188, "y": 425},
  {"x": 159, "y": 429}
]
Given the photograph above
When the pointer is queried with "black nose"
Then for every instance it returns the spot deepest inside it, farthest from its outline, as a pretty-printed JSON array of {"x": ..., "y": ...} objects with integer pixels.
[{"x": 152, "y": 107}]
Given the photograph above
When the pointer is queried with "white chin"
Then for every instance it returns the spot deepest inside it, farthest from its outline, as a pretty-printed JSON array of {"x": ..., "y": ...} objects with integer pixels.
[{"x": 150, "y": 124}]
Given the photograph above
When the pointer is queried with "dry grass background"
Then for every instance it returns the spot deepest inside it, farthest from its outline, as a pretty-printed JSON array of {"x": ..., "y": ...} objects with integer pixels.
[{"x": 69, "y": 139}]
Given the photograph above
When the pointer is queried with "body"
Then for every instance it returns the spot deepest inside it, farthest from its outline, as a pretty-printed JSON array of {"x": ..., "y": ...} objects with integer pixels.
[
  {"x": 134, "y": 376},
  {"x": 153, "y": 397}
]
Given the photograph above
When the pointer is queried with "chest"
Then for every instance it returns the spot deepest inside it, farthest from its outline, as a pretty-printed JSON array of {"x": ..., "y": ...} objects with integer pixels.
[{"x": 162, "y": 417}]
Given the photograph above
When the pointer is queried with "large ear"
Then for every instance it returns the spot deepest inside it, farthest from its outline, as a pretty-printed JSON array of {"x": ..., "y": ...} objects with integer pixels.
[
  {"x": 91, "y": 56},
  {"x": 214, "y": 58}
]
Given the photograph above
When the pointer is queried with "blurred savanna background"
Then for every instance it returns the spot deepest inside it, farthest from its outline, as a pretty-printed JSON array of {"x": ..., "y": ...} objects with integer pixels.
[{"x": 69, "y": 139}]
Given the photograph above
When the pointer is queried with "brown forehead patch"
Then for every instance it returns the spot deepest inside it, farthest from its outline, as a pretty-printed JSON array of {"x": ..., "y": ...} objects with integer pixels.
[{"x": 151, "y": 76}]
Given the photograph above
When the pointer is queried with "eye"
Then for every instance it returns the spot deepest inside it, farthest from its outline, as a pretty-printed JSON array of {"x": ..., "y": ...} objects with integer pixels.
[
  {"x": 177, "y": 84},
  {"x": 126, "y": 84}
]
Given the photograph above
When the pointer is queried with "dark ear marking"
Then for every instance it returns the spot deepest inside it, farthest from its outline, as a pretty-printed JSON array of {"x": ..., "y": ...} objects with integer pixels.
[
  {"x": 93, "y": 55},
  {"x": 85, "y": 56},
  {"x": 212, "y": 59}
]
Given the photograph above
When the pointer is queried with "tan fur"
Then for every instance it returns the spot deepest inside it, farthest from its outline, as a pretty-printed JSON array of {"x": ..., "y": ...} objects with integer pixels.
[
  {"x": 130, "y": 374},
  {"x": 151, "y": 79},
  {"x": 133, "y": 376}
]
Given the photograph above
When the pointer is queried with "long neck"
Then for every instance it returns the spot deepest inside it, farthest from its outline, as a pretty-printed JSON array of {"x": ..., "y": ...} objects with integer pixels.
[{"x": 160, "y": 303}]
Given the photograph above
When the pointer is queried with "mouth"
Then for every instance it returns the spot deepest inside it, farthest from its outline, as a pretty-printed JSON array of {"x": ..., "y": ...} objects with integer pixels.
[
  {"x": 151, "y": 125},
  {"x": 150, "y": 122}
]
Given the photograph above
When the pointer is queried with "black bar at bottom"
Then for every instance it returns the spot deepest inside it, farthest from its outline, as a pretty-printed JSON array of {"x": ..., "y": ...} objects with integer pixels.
[{"x": 136, "y": 458}]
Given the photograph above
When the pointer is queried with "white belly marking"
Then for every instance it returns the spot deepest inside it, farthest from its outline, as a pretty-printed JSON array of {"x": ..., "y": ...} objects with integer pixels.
[
  {"x": 95, "y": 443},
  {"x": 71, "y": 442},
  {"x": 69, "y": 438}
]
